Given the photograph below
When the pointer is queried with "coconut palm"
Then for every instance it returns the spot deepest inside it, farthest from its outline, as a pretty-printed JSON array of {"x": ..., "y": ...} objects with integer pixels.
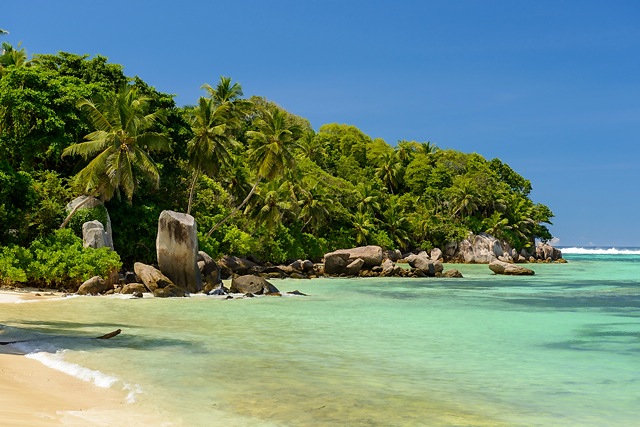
[
  {"x": 363, "y": 225},
  {"x": 406, "y": 150},
  {"x": 367, "y": 198},
  {"x": 463, "y": 197},
  {"x": 314, "y": 207},
  {"x": 397, "y": 223},
  {"x": 390, "y": 170},
  {"x": 271, "y": 151},
  {"x": 209, "y": 149},
  {"x": 224, "y": 92},
  {"x": 426, "y": 148},
  {"x": 273, "y": 202},
  {"x": 12, "y": 56},
  {"x": 119, "y": 146}
]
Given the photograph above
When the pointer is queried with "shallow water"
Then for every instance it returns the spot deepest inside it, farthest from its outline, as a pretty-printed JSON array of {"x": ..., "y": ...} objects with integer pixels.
[{"x": 558, "y": 348}]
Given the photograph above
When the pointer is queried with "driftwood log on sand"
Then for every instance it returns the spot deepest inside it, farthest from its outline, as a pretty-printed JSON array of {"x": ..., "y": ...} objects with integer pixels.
[{"x": 101, "y": 337}]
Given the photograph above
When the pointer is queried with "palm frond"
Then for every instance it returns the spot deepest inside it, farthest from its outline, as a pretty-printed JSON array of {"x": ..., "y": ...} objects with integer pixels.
[{"x": 99, "y": 120}]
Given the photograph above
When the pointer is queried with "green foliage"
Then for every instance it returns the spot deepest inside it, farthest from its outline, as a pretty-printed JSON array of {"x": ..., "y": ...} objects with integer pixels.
[
  {"x": 83, "y": 215},
  {"x": 237, "y": 242},
  {"x": 58, "y": 260},
  {"x": 314, "y": 192},
  {"x": 16, "y": 198},
  {"x": 13, "y": 261}
]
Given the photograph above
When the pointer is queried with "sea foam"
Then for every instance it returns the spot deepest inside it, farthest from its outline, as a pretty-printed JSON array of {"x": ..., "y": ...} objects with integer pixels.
[
  {"x": 56, "y": 361},
  {"x": 600, "y": 251}
]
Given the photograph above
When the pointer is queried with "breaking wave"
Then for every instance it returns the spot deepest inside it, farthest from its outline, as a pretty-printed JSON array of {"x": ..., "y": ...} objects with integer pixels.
[{"x": 600, "y": 251}]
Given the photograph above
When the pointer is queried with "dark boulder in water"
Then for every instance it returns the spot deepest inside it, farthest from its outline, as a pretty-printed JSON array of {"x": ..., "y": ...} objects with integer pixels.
[
  {"x": 252, "y": 284},
  {"x": 501, "y": 267}
]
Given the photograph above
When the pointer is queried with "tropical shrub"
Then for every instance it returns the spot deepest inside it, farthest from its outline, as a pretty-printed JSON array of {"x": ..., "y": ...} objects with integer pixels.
[{"x": 58, "y": 260}]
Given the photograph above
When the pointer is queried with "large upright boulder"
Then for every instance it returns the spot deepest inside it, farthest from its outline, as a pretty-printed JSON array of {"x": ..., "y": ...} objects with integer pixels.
[
  {"x": 371, "y": 255},
  {"x": 93, "y": 235},
  {"x": 90, "y": 202},
  {"x": 177, "y": 247}
]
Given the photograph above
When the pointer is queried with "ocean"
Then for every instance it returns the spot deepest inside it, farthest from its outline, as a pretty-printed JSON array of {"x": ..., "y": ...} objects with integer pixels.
[{"x": 558, "y": 348}]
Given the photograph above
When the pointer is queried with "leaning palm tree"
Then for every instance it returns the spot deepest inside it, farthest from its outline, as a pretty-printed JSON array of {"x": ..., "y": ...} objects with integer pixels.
[
  {"x": 209, "y": 149},
  {"x": 271, "y": 151},
  {"x": 118, "y": 146}
]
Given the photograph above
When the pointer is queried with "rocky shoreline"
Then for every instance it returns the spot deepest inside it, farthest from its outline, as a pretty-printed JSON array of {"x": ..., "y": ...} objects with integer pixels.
[{"x": 183, "y": 269}]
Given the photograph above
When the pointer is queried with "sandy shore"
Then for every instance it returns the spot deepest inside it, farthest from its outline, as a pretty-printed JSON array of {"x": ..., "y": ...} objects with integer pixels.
[{"x": 34, "y": 395}]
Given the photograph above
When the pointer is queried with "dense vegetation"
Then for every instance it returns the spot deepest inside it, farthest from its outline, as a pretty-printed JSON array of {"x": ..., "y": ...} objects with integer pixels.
[{"x": 257, "y": 178}]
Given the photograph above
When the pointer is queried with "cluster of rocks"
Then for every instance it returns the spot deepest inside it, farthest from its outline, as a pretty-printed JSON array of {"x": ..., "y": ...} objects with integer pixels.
[
  {"x": 182, "y": 269},
  {"x": 485, "y": 249},
  {"x": 372, "y": 261}
]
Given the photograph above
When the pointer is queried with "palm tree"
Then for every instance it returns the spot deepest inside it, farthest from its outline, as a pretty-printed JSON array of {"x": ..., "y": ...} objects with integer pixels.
[
  {"x": 224, "y": 92},
  {"x": 312, "y": 147},
  {"x": 12, "y": 56},
  {"x": 397, "y": 223},
  {"x": 314, "y": 207},
  {"x": 463, "y": 197},
  {"x": 426, "y": 148},
  {"x": 368, "y": 198},
  {"x": 406, "y": 150},
  {"x": 275, "y": 200},
  {"x": 390, "y": 170},
  {"x": 212, "y": 139},
  {"x": 270, "y": 152},
  {"x": 362, "y": 225},
  {"x": 119, "y": 145}
]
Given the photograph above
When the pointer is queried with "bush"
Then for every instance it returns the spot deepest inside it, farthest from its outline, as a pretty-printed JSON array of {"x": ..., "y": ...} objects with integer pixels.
[
  {"x": 58, "y": 260},
  {"x": 83, "y": 215},
  {"x": 13, "y": 261}
]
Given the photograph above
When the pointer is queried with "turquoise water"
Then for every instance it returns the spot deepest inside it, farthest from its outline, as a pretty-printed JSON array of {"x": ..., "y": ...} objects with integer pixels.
[{"x": 558, "y": 348}]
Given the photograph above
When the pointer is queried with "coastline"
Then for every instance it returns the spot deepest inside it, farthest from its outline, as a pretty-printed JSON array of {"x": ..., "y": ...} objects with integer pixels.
[{"x": 34, "y": 395}]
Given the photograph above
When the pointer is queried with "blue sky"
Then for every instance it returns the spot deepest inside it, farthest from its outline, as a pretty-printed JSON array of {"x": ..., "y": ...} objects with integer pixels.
[{"x": 550, "y": 87}]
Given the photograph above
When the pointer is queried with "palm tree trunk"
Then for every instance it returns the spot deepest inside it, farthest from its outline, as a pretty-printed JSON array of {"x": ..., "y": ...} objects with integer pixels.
[
  {"x": 236, "y": 209},
  {"x": 73, "y": 211},
  {"x": 196, "y": 173}
]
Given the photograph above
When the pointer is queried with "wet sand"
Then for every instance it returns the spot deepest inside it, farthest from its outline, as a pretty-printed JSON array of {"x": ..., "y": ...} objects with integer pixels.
[{"x": 33, "y": 395}]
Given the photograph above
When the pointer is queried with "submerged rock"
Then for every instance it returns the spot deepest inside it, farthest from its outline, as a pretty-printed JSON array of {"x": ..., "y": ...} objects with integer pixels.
[
  {"x": 94, "y": 286},
  {"x": 500, "y": 267},
  {"x": 252, "y": 284}
]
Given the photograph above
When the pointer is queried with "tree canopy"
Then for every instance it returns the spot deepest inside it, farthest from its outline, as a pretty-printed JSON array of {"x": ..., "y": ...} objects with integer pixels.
[{"x": 257, "y": 176}]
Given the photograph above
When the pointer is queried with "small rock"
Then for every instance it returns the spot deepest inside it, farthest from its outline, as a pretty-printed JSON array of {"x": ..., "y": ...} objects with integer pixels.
[{"x": 452, "y": 273}]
